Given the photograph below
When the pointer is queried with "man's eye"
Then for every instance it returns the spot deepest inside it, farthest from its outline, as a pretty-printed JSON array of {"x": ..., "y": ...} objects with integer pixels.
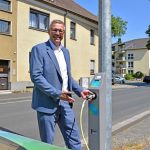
[{"x": 57, "y": 30}]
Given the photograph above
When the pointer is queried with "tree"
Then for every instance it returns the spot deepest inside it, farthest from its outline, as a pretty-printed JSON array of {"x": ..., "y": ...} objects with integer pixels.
[
  {"x": 148, "y": 42},
  {"x": 118, "y": 26},
  {"x": 148, "y": 31}
]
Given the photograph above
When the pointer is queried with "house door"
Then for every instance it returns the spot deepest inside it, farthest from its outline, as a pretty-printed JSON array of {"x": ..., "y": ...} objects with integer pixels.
[
  {"x": 3, "y": 83},
  {"x": 4, "y": 71}
]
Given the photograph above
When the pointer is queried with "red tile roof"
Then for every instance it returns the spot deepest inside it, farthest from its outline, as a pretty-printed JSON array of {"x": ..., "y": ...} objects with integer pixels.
[
  {"x": 72, "y": 7},
  {"x": 133, "y": 44}
]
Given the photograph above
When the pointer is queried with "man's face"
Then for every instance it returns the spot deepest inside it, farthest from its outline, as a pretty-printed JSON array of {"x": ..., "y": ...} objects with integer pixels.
[{"x": 56, "y": 33}]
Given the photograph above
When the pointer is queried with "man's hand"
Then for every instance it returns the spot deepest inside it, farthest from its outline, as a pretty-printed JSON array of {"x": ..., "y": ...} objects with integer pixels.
[
  {"x": 85, "y": 93},
  {"x": 66, "y": 96}
]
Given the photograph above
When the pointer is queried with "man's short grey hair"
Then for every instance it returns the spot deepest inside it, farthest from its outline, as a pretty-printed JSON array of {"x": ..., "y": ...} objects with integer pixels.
[{"x": 56, "y": 21}]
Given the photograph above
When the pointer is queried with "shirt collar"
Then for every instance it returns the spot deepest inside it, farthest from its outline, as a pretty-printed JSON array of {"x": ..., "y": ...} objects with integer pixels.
[{"x": 54, "y": 47}]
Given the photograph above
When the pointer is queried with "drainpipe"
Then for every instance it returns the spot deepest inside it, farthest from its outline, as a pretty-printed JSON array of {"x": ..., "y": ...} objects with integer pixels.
[{"x": 65, "y": 15}]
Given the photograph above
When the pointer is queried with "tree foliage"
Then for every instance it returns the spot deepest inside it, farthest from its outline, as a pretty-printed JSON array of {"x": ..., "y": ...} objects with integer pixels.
[
  {"x": 148, "y": 42},
  {"x": 148, "y": 31},
  {"x": 119, "y": 26}
]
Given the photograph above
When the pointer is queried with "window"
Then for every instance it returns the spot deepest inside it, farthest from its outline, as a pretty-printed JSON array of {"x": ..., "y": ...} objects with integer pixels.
[
  {"x": 73, "y": 30},
  {"x": 92, "y": 67},
  {"x": 4, "y": 66},
  {"x": 39, "y": 20},
  {"x": 113, "y": 56},
  {"x": 92, "y": 37},
  {"x": 113, "y": 64},
  {"x": 4, "y": 27},
  {"x": 130, "y": 71},
  {"x": 113, "y": 48},
  {"x": 5, "y": 5},
  {"x": 130, "y": 56},
  {"x": 130, "y": 64},
  {"x": 121, "y": 46}
]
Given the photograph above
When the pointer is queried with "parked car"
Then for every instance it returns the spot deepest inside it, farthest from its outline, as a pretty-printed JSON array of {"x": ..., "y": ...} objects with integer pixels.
[
  {"x": 146, "y": 79},
  {"x": 116, "y": 79},
  {"x": 11, "y": 141}
]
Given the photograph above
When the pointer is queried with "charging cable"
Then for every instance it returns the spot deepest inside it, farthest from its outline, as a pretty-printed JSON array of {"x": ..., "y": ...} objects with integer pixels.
[
  {"x": 81, "y": 114},
  {"x": 88, "y": 98}
]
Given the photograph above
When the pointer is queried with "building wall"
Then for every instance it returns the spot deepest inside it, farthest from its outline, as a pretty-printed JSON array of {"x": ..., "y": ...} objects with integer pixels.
[
  {"x": 27, "y": 37},
  {"x": 141, "y": 60},
  {"x": 80, "y": 50},
  {"x": 8, "y": 47}
]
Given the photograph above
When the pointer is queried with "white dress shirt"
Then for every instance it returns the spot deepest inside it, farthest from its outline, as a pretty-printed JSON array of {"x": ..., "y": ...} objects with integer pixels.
[{"x": 63, "y": 67}]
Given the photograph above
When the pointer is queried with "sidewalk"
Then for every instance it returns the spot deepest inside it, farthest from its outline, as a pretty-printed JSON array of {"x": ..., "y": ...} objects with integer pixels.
[
  {"x": 129, "y": 84},
  {"x": 136, "y": 137},
  {"x": 5, "y": 91}
]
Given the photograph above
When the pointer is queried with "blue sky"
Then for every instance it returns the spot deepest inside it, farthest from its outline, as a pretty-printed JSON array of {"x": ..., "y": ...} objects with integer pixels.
[{"x": 135, "y": 12}]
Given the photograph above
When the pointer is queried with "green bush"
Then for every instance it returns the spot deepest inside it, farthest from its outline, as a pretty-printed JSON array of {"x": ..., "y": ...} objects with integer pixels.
[
  {"x": 129, "y": 76},
  {"x": 139, "y": 75}
]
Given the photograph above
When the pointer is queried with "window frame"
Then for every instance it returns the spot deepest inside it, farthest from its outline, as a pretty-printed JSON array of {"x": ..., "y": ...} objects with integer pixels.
[
  {"x": 72, "y": 30},
  {"x": 37, "y": 15},
  {"x": 9, "y": 27},
  {"x": 92, "y": 67},
  {"x": 131, "y": 71},
  {"x": 130, "y": 56},
  {"x": 113, "y": 48},
  {"x": 9, "y": 6},
  {"x": 130, "y": 64},
  {"x": 92, "y": 37}
]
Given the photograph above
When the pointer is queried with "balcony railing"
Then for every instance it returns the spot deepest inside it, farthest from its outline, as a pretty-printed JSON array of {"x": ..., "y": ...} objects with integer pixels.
[
  {"x": 121, "y": 66},
  {"x": 121, "y": 59}
]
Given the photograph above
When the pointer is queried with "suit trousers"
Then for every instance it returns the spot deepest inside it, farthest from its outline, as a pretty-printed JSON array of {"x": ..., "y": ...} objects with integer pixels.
[{"x": 65, "y": 118}]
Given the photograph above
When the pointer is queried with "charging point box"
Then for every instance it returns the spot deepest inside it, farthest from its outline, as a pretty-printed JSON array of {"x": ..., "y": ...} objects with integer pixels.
[{"x": 96, "y": 112}]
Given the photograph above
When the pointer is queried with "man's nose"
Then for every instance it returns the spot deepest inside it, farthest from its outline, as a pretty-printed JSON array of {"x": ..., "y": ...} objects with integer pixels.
[{"x": 57, "y": 31}]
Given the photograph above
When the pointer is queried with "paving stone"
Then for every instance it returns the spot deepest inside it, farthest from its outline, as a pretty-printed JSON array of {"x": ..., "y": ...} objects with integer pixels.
[{"x": 136, "y": 134}]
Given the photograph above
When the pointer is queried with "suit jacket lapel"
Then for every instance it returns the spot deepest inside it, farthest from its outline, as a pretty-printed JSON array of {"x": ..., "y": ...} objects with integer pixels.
[{"x": 50, "y": 52}]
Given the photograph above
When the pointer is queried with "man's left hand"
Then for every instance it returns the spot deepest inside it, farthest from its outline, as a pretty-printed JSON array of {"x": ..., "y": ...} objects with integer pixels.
[{"x": 85, "y": 93}]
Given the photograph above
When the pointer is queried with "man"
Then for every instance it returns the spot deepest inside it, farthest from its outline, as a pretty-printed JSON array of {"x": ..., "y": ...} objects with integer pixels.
[{"x": 51, "y": 74}]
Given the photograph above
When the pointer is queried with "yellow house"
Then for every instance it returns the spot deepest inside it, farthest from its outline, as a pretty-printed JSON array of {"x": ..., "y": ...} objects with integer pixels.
[
  {"x": 131, "y": 56},
  {"x": 28, "y": 22},
  {"x": 8, "y": 45}
]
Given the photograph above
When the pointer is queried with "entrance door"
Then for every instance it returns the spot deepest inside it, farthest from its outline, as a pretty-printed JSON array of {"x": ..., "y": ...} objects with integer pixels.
[
  {"x": 3, "y": 83},
  {"x": 4, "y": 70}
]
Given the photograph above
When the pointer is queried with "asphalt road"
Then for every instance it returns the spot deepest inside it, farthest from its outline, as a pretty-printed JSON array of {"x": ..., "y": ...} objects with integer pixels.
[
  {"x": 16, "y": 114},
  {"x": 127, "y": 103}
]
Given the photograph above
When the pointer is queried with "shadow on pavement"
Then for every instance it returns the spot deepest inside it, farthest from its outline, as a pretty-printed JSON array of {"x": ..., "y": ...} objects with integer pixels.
[
  {"x": 138, "y": 83},
  {"x": 7, "y": 130}
]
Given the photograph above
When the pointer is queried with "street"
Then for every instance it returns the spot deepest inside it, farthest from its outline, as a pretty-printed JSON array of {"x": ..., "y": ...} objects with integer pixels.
[
  {"x": 17, "y": 116},
  {"x": 129, "y": 102}
]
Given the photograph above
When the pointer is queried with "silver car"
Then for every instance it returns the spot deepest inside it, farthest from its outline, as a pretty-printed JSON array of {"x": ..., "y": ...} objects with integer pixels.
[{"x": 118, "y": 79}]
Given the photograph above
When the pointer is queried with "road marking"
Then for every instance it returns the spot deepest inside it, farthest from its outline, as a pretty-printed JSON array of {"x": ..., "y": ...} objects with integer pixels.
[
  {"x": 14, "y": 102},
  {"x": 15, "y": 98},
  {"x": 129, "y": 121}
]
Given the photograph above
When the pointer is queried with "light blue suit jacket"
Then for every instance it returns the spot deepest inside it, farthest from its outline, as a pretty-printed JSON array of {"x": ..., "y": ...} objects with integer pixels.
[{"x": 46, "y": 76}]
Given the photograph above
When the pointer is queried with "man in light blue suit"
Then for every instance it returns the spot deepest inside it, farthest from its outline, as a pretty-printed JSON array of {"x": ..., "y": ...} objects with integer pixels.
[{"x": 50, "y": 72}]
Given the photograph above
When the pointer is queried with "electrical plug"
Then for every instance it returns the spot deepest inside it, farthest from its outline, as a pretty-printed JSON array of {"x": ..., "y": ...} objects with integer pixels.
[{"x": 91, "y": 96}]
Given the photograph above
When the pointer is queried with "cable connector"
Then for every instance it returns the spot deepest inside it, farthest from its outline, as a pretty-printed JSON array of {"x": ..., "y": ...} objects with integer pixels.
[{"x": 91, "y": 96}]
